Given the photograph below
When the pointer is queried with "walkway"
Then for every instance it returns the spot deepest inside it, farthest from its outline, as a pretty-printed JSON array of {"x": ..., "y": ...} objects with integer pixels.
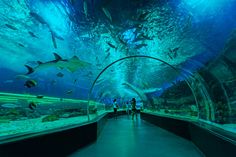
[{"x": 123, "y": 137}]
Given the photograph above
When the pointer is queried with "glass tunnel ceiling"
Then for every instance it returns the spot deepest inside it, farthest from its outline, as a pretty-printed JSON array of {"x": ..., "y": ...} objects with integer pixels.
[{"x": 183, "y": 33}]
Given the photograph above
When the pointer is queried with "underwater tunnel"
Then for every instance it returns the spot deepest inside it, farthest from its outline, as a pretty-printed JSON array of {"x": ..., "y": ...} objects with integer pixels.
[{"x": 118, "y": 78}]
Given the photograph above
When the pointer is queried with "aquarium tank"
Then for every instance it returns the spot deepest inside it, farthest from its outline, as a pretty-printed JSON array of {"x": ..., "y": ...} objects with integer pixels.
[{"x": 62, "y": 62}]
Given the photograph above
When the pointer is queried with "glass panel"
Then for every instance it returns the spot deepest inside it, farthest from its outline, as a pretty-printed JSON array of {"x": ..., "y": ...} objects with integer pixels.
[{"x": 52, "y": 51}]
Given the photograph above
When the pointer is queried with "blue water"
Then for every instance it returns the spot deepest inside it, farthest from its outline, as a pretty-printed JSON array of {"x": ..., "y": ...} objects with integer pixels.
[{"x": 86, "y": 37}]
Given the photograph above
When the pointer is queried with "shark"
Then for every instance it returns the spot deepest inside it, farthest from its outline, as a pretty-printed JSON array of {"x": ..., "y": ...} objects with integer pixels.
[
  {"x": 142, "y": 93},
  {"x": 72, "y": 64}
]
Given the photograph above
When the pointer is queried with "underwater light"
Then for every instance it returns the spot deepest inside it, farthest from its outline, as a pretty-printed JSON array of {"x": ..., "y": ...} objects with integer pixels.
[
  {"x": 129, "y": 35},
  {"x": 205, "y": 7},
  {"x": 54, "y": 14}
]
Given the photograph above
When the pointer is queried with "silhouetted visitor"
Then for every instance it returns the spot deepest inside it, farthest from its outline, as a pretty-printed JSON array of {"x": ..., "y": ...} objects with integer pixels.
[
  {"x": 127, "y": 108},
  {"x": 133, "y": 107},
  {"x": 115, "y": 106}
]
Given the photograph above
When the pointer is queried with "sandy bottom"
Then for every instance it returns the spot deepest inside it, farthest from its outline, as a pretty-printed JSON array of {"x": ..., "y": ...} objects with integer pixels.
[{"x": 36, "y": 125}]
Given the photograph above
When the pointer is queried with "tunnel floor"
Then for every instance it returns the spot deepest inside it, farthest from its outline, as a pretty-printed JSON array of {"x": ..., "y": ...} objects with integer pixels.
[{"x": 123, "y": 137}]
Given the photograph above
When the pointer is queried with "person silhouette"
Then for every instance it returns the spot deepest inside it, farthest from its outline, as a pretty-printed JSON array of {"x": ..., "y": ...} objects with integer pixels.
[
  {"x": 115, "y": 106},
  {"x": 133, "y": 107}
]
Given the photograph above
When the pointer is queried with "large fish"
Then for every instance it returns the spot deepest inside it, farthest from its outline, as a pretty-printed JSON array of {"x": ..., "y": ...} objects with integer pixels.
[
  {"x": 73, "y": 64},
  {"x": 22, "y": 77},
  {"x": 141, "y": 93},
  {"x": 85, "y": 6}
]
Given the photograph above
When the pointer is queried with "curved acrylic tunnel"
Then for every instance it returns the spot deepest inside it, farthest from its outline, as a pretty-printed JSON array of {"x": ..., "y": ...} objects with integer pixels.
[
  {"x": 62, "y": 62},
  {"x": 183, "y": 93},
  {"x": 150, "y": 87}
]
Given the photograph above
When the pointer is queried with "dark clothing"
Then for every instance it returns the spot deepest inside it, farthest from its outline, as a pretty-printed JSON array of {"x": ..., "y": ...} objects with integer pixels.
[
  {"x": 115, "y": 106},
  {"x": 133, "y": 107}
]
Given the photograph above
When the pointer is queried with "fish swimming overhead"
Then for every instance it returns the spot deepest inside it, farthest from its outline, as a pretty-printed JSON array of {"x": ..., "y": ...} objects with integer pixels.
[
  {"x": 107, "y": 13},
  {"x": 69, "y": 92},
  {"x": 142, "y": 93},
  {"x": 11, "y": 27},
  {"x": 22, "y": 77},
  {"x": 140, "y": 46},
  {"x": 32, "y": 34},
  {"x": 85, "y": 6},
  {"x": 73, "y": 64},
  {"x": 54, "y": 41},
  {"x": 60, "y": 74},
  {"x": 111, "y": 45},
  {"x": 37, "y": 17},
  {"x": 30, "y": 83},
  {"x": 21, "y": 45}
]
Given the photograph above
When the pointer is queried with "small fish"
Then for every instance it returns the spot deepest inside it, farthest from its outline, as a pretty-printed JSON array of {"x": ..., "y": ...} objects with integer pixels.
[
  {"x": 140, "y": 46},
  {"x": 85, "y": 6},
  {"x": 8, "y": 105},
  {"x": 138, "y": 39},
  {"x": 40, "y": 96},
  {"x": 143, "y": 16},
  {"x": 21, "y": 45},
  {"x": 32, "y": 106},
  {"x": 111, "y": 45},
  {"x": 107, "y": 13},
  {"x": 54, "y": 41},
  {"x": 107, "y": 50},
  {"x": 56, "y": 35},
  {"x": 22, "y": 77},
  {"x": 32, "y": 34},
  {"x": 99, "y": 81},
  {"x": 174, "y": 52},
  {"x": 170, "y": 56},
  {"x": 108, "y": 55},
  {"x": 75, "y": 81},
  {"x": 122, "y": 41},
  {"x": 60, "y": 74},
  {"x": 175, "y": 49},
  {"x": 146, "y": 37},
  {"x": 38, "y": 18},
  {"x": 69, "y": 92},
  {"x": 30, "y": 83},
  {"x": 11, "y": 27}
]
